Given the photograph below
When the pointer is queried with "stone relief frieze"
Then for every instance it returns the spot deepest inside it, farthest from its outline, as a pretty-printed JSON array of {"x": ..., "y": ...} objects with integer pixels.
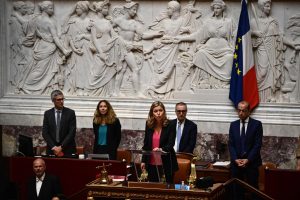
[{"x": 113, "y": 49}]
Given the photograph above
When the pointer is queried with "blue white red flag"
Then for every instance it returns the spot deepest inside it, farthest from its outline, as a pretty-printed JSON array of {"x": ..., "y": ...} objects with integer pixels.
[{"x": 243, "y": 83}]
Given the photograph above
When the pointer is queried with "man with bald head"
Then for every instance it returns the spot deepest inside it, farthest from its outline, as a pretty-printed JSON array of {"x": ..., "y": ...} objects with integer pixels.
[
  {"x": 43, "y": 186},
  {"x": 245, "y": 141}
]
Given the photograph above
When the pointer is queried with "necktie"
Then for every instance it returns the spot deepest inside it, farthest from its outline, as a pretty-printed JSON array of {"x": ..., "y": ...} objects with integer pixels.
[
  {"x": 178, "y": 135},
  {"x": 58, "y": 112},
  {"x": 243, "y": 139}
]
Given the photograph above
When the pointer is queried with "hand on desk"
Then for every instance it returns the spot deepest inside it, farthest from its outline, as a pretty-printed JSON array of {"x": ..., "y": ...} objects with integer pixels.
[{"x": 157, "y": 149}]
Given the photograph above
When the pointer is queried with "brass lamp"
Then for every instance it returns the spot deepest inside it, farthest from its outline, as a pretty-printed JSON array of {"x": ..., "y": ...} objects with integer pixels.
[{"x": 193, "y": 176}]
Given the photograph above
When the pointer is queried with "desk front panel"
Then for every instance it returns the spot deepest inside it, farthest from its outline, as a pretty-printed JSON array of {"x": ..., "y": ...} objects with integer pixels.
[
  {"x": 118, "y": 191},
  {"x": 218, "y": 175}
]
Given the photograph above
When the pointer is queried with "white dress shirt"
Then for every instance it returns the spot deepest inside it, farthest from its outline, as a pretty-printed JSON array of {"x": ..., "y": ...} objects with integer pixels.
[{"x": 38, "y": 185}]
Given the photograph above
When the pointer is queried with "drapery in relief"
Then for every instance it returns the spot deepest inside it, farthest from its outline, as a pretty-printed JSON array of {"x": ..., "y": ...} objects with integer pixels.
[
  {"x": 268, "y": 52},
  {"x": 81, "y": 60},
  {"x": 37, "y": 63},
  {"x": 214, "y": 55},
  {"x": 166, "y": 51},
  {"x": 43, "y": 71},
  {"x": 102, "y": 74}
]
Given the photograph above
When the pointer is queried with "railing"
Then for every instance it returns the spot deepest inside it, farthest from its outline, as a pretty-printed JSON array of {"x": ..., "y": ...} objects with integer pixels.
[{"x": 247, "y": 191}]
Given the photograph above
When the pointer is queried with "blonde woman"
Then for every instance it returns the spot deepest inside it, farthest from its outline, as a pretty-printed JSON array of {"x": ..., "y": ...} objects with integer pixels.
[
  {"x": 107, "y": 130},
  {"x": 159, "y": 136}
]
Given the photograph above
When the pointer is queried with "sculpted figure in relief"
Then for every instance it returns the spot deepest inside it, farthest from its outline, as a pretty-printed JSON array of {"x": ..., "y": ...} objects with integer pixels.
[
  {"x": 291, "y": 87},
  {"x": 129, "y": 28},
  {"x": 28, "y": 23},
  {"x": 78, "y": 38},
  {"x": 103, "y": 72},
  {"x": 165, "y": 50},
  {"x": 214, "y": 53},
  {"x": 23, "y": 38},
  {"x": 187, "y": 48},
  {"x": 44, "y": 73},
  {"x": 18, "y": 58},
  {"x": 268, "y": 52}
]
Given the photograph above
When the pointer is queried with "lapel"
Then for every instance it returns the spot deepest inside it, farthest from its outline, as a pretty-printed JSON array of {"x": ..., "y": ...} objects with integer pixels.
[
  {"x": 43, "y": 187},
  {"x": 185, "y": 129},
  {"x": 52, "y": 117},
  {"x": 162, "y": 135},
  {"x": 62, "y": 118},
  {"x": 34, "y": 186},
  {"x": 249, "y": 128},
  {"x": 151, "y": 131}
]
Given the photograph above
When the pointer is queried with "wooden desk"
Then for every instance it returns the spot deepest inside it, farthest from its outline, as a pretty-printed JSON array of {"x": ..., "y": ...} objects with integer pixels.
[
  {"x": 117, "y": 190},
  {"x": 282, "y": 184},
  {"x": 219, "y": 175}
]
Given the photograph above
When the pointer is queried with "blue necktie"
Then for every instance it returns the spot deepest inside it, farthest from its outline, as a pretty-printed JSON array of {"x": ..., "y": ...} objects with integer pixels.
[
  {"x": 243, "y": 139},
  {"x": 178, "y": 135}
]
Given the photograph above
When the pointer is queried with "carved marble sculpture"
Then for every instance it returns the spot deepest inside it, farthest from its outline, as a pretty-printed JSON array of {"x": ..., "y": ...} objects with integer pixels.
[
  {"x": 103, "y": 72},
  {"x": 96, "y": 50},
  {"x": 165, "y": 50},
  {"x": 214, "y": 54},
  {"x": 129, "y": 29},
  {"x": 78, "y": 38},
  {"x": 44, "y": 72}
]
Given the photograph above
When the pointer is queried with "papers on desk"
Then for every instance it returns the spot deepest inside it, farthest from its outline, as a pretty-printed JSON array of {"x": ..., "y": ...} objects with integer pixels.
[
  {"x": 117, "y": 178},
  {"x": 222, "y": 164}
]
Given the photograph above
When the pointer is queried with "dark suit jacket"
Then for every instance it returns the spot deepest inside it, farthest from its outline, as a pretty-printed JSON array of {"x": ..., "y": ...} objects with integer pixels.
[
  {"x": 189, "y": 136},
  {"x": 167, "y": 141},
  {"x": 67, "y": 130},
  {"x": 50, "y": 188},
  {"x": 253, "y": 143},
  {"x": 113, "y": 138}
]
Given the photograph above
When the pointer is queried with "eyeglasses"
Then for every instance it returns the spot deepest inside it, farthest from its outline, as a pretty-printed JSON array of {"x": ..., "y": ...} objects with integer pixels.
[
  {"x": 181, "y": 111},
  {"x": 60, "y": 99},
  {"x": 243, "y": 111}
]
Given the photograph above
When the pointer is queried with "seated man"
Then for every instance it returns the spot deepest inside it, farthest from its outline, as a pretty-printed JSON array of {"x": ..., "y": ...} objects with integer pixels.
[{"x": 42, "y": 185}]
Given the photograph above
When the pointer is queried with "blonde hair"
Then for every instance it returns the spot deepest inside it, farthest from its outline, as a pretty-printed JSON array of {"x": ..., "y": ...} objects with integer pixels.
[{"x": 151, "y": 122}]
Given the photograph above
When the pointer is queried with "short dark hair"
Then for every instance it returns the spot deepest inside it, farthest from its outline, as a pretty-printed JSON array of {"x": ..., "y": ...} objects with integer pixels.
[
  {"x": 55, "y": 93},
  {"x": 181, "y": 104}
]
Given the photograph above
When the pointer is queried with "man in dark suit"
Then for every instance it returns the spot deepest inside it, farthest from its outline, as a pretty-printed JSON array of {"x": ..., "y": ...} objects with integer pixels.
[
  {"x": 43, "y": 186},
  {"x": 59, "y": 127},
  {"x": 186, "y": 130},
  {"x": 245, "y": 141}
]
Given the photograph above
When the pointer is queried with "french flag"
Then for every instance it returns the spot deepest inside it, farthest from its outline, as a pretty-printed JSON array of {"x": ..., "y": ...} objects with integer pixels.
[{"x": 243, "y": 83}]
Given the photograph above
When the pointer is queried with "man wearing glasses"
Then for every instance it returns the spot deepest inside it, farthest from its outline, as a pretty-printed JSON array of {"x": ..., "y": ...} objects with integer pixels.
[
  {"x": 186, "y": 130},
  {"x": 59, "y": 127}
]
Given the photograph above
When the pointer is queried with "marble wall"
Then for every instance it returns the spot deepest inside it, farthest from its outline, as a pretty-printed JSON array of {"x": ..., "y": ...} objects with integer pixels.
[
  {"x": 133, "y": 53},
  {"x": 209, "y": 146}
]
